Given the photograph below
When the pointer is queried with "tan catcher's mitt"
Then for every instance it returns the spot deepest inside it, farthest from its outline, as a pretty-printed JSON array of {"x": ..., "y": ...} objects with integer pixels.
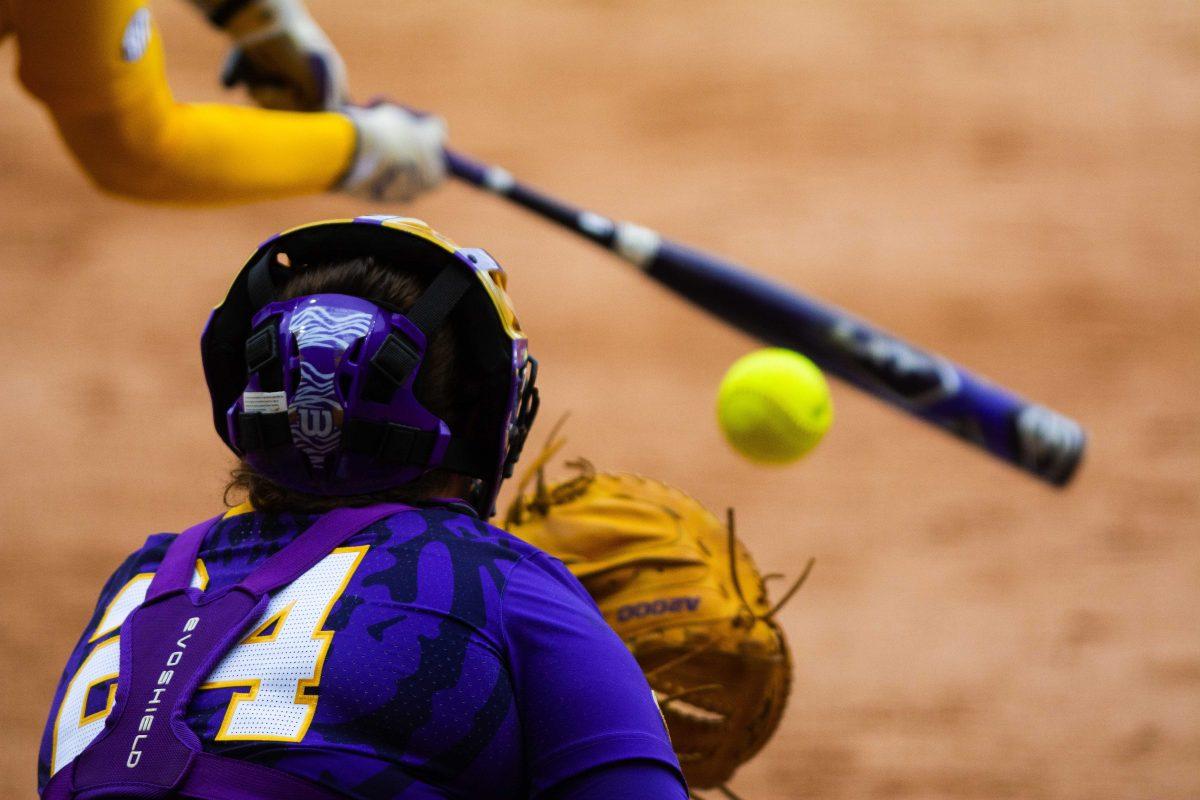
[{"x": 683, "y": 594}]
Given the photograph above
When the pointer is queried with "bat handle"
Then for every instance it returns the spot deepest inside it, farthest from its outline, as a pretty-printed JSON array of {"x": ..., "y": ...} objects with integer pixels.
[
  {"x": 466, "y": 169},
  {"x": 500, "y": 181},
  {"x": 636, "y": 244}
]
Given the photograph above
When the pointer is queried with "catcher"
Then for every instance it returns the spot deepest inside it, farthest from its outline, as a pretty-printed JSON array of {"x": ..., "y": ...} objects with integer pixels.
[
  {"x": 98, "y": 67},
  {"x": 684, "y": 595},
  {"x": 356, "y": 630}
]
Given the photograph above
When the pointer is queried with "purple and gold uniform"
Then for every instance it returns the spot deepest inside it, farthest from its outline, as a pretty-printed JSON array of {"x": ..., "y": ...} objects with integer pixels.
[{"x": 429, "y": 656}]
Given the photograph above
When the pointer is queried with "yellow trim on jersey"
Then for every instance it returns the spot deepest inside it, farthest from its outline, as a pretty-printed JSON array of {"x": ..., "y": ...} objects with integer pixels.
[
  {"x": 101, "y": 628},
  {"x": 146, "y": 577},
  {"x": 202, "y": 572},
  {"x": 253, "y": 684},
  {"x": 274, "y": 623},
  {"x": 239, "y": 509},
  {"x": 104, "y": 712},
  {"x": 116, "y": 640}
]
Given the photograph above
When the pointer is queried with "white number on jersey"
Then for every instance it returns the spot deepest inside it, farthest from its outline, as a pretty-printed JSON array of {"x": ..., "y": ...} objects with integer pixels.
[
  {"x": 283, "y": 656},
  {"x": 75, "y": 727},
  {"x": 275, "y": 663}
]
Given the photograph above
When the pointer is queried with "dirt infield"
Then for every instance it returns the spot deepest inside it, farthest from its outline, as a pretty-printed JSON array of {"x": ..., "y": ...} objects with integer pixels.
[{"x": 1016, "y": 185}]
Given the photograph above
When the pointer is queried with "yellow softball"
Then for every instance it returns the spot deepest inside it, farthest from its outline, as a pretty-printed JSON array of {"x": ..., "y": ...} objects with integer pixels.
[{"x": 774, "y": 406}]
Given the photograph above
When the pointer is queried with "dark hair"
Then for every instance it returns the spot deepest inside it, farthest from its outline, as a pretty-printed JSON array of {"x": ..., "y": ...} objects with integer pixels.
[{"x": 442, "y": 386}]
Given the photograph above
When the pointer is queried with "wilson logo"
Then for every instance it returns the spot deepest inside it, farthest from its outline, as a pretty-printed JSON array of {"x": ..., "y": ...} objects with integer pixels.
[
  {"x": 654, "y": 608},
  {"x": 316, "y": 422}
]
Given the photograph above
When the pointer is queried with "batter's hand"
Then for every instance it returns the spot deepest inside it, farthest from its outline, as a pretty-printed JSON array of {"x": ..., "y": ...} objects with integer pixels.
[
  {"x": 284, "y": 58},
  {"x": 400, "y": 154}
]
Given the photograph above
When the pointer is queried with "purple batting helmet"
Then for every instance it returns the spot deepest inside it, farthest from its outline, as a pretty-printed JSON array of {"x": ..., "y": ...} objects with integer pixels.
[{"x": 316, "y": 392}]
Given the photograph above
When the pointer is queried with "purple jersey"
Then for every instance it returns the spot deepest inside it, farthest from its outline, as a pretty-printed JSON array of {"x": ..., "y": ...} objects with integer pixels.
[{"x": 430, "y": 656}]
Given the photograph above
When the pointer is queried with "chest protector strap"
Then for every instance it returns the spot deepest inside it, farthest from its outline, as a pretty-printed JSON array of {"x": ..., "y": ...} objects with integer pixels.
[{"x": 169, "y": 645}]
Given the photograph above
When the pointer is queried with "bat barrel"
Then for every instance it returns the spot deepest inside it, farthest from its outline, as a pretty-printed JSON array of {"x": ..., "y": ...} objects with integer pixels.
[
  {"x": 1029, "y": 436},
  {"x": 1035, "y": 439}
]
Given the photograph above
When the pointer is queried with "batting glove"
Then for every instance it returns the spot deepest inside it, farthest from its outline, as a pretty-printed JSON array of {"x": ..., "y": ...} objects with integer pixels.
[
  {"x": 400, "y": 154},
  {"x": 280, "y": 54}
]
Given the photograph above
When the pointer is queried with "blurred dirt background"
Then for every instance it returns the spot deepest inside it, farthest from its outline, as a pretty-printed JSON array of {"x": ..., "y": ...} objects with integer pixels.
[{"x": 1016, "y": 185}]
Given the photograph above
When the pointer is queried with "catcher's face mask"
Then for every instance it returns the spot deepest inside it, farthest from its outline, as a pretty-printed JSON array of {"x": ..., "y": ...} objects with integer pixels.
[{"x": 316, "y": 392}]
